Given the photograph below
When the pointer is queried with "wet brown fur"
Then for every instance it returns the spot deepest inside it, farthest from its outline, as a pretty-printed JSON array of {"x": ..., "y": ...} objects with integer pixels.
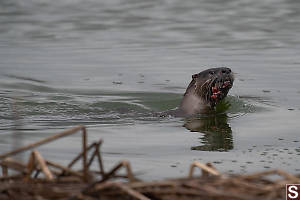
[{"x": 198, "y": 95}]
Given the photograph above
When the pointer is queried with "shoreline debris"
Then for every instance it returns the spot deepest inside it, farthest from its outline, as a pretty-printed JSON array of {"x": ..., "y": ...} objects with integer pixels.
[{"x": 43, "y": 179}]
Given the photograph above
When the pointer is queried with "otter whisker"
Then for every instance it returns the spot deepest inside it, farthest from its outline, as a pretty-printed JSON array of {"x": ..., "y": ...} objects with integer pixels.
[
  {"x": 205, "y": 83},
  {"x": 201, "y": 86}
]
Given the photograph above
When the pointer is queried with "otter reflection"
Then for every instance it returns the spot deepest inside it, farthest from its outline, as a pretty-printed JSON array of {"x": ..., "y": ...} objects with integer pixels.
[{"x": 217, "y": 132}]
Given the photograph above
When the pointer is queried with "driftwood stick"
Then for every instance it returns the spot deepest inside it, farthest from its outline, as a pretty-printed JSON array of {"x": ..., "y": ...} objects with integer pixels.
[
  {"x": 30, "y": 166},
  {"x": 100, "y": 162},
  {"x": 68, "y": 170},
  {"x": 131, "y": 192},
  {"x": 124, "y": 188},
  {"x": 270, "y": 172},
  {"x": 40, "y": 160},
  {"x": 4, "y": 170},
  {"x": 43, "y": 141},
  {"x": 116, "y": 168},
  {"x": 260, "y": 174},
  {"x": 80, "y": 155},
  {"x": 126, "y": 164},
  {"x": 12, "y": 177},
  {"x": 239, "y": 182},
  {"x": 111, "y": 174},
  {"x": 13, "y": 164},
  {"x": 37, "y": 173},
  {"x": 92, "y": 158},
  {"x": 84, "y": 151},
  {"x": 279, "y": 184},
  {"x": 162, "y": 184},
  {"x": 96, "y": 151},
  {"x": 228, "y": 195},
  {"x": 287, "y": 175},
  {"x": 204, "y": 168},
  {"x": 176, "y": 191}
]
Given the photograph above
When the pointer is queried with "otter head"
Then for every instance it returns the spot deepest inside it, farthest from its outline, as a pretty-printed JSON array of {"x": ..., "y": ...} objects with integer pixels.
[{"x": 206, "y": 89}]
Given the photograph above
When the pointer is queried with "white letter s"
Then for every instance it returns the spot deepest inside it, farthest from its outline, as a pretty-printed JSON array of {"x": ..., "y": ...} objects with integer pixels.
[{"x": 293, "y": 189}]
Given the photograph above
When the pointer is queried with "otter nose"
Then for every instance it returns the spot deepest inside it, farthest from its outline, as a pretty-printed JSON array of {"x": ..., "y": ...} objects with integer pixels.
[{"x": 226, "y": 71}]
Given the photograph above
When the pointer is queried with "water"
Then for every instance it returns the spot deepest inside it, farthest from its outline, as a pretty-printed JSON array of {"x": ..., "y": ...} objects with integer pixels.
[{"x": 110, "y": 65}]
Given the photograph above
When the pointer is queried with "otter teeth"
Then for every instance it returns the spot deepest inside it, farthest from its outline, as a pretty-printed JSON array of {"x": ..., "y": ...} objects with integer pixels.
[
  {"x": 226, "y": 84},
  {"x": 214, "y": 89},
  {"x": 216, "y": 92}
]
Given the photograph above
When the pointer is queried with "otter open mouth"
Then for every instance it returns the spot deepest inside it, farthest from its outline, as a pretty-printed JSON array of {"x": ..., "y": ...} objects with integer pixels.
[{"x": 219, "y": 91}]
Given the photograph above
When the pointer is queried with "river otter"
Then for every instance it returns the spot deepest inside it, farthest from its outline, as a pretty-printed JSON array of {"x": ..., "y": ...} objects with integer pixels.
[{"x": 206, "y": 89}]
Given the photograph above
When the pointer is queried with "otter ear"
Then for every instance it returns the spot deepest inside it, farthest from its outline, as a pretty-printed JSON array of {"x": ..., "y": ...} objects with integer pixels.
[{"x": 195, "y": 76}]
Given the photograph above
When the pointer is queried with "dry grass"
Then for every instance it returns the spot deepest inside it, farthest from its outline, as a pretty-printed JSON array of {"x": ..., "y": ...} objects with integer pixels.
[{"x": 43, "y": 179}]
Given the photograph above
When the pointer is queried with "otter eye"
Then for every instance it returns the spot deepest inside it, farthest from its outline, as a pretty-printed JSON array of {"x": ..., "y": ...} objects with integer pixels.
[
  {"x": 226, "y": 71},
  {"x": 195, "y": 76},
  {"x": 211, "y": 72}
]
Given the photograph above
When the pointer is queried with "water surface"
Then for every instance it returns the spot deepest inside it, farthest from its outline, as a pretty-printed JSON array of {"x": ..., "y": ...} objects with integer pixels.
[{"x": 110, "y": 65}]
